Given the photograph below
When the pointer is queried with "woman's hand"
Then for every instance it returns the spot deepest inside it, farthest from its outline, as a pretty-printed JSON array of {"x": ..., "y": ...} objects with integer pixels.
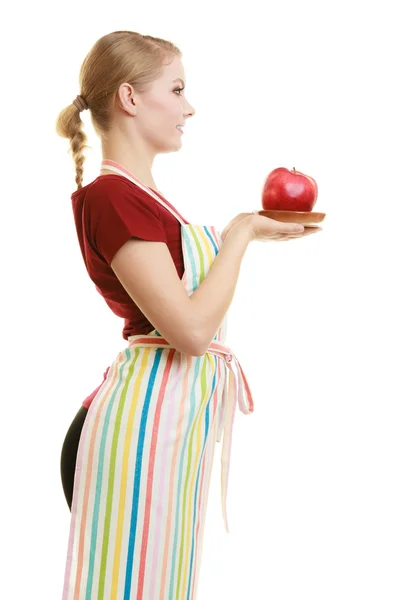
[
  {"x": 265, "y": 229},
  {"x": 234, "y": 222}
]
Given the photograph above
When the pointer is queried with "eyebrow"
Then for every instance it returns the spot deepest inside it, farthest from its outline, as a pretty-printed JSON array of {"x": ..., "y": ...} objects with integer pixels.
[{"x": 179, "y": 79}]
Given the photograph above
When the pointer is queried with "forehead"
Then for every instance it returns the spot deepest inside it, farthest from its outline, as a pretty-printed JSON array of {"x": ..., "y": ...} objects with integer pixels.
[{"x": 174, "y": 71}]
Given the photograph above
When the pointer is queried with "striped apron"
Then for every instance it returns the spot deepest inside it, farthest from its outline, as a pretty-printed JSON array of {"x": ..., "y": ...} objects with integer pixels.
[{"x": 145, "y": 455}]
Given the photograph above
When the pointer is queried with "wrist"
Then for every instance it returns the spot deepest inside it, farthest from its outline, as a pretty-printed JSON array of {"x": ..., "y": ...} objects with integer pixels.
[{"x": 246, "y": 226}]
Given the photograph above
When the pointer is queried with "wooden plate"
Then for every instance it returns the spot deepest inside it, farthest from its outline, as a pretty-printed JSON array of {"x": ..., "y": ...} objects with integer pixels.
[{"x": 308, "y": 219}]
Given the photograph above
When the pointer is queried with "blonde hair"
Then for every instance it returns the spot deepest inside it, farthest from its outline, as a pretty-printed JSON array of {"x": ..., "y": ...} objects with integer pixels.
[{"x": 116, "y": 58}]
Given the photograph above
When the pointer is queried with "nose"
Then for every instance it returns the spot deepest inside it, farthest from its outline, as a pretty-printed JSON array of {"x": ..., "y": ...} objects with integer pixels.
[{"x": 191, "y": 112}]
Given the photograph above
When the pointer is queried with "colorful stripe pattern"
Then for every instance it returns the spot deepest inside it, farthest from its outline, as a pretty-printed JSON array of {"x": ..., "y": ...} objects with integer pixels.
[{"x": 145, "y": 457}]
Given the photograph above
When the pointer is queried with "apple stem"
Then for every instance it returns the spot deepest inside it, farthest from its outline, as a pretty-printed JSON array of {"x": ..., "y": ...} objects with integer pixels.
[{"x": 294, "y": 169}]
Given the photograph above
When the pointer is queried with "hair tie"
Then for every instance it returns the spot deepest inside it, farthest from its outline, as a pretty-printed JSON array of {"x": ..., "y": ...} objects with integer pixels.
[{"x": 80, "y": 103}]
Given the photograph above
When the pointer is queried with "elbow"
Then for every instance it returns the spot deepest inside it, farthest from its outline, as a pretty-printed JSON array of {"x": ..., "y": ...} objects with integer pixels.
[
  {"x": 196, "y": 349},
  {"x": 197, "y": 346},
  {"x": 188, "y": 343},
  {"x": 197, "y": 341},
  {"x": 201, "y": 342}
]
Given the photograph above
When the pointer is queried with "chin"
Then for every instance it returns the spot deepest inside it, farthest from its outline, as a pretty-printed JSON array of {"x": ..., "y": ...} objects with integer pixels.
[{"x": 172, "y": 147}]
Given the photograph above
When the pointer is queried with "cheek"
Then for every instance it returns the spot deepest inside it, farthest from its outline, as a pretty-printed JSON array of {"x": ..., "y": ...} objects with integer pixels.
[
  {"x": 172, "y": 105},
  {"x": 165, "y": 113}
]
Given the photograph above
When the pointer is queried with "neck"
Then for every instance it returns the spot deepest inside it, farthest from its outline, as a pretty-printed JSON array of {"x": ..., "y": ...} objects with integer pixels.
[{"x": 136, "y": 161}]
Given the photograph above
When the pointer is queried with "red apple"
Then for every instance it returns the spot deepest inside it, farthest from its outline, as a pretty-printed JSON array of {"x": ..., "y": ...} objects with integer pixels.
[{"x": 289, "y": 190}]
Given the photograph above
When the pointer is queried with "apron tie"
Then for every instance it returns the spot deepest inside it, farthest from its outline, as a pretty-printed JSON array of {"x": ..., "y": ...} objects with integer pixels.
[{"x": 236, "y": 390}]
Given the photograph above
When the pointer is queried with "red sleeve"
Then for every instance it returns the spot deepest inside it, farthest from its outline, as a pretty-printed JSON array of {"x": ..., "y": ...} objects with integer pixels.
[{"x": 120, "y": 210}]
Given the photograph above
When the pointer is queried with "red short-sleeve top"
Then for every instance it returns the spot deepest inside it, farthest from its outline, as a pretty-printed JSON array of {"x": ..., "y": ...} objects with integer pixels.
[{"x": 108, "y": 212}]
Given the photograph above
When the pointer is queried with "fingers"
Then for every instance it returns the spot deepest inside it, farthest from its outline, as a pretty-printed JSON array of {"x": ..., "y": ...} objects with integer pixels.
[
  {"x": 282, "y": 237},
  {"x": 311, "y": 230},
  {"x": 274, "y": 226},
  {"x": 307, "y": 231},
  {"x": 271, "y": 229},
  {"x": 288, "y": 227}
]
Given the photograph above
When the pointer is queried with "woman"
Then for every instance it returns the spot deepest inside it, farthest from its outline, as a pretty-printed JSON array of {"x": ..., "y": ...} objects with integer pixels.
[{"x": 136, "y": 461}]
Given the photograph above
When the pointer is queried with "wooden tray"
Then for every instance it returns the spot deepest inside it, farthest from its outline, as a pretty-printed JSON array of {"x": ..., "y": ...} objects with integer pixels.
[{"x": 308, "y": 219}]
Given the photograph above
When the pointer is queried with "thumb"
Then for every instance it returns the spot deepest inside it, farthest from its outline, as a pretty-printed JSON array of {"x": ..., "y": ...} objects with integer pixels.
[{"x": 282, "y": 227}]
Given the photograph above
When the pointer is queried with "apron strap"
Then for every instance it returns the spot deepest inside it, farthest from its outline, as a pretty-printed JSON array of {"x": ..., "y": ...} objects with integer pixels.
[{"x": 111, "y": 166}]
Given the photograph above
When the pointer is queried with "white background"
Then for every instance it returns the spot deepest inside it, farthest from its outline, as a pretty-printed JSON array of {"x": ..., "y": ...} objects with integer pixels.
[{"x": 314, "y": 493}]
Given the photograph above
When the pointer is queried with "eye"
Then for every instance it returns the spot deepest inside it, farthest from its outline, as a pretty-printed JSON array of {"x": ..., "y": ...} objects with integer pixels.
[{"x": 179, "y": 90}]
